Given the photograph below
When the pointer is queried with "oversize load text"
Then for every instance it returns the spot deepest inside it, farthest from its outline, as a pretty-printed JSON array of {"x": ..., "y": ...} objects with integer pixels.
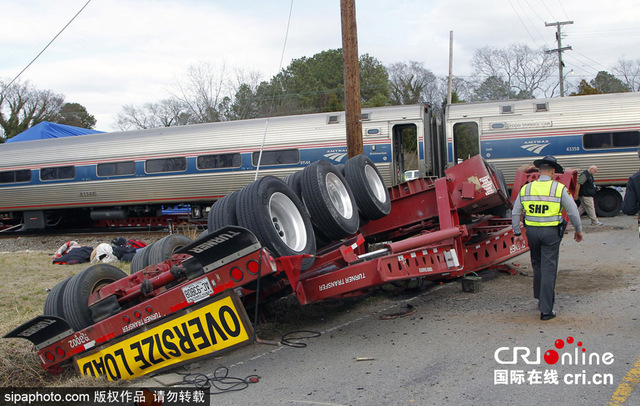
[{"x": 203, "y": 331}]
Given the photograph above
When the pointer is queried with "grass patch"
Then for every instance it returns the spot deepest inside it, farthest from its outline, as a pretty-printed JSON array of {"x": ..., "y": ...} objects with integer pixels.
[{"x": 26, "y": 277}]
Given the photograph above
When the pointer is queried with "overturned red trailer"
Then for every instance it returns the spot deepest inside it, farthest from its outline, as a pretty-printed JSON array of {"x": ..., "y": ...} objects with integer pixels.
[{"x": 191, "y": 305}]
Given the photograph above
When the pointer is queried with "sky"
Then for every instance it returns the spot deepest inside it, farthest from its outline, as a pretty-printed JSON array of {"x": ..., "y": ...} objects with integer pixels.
[{"x": 119, "y": 52}]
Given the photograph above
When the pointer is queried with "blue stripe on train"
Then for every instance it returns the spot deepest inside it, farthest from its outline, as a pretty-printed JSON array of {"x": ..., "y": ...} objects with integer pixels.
[{"x": 381, "y": 154}]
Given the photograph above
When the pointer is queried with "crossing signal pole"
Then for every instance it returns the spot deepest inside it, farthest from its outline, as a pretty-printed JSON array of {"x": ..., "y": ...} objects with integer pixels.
[{"x": 559, "y": 50}]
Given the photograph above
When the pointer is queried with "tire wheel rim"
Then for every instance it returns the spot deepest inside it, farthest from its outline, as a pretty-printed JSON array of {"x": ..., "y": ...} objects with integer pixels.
[
  {"x": 374, "y": 181},
  {"x": 288, "y": 221},
  {"x": 339, "y": 195}
]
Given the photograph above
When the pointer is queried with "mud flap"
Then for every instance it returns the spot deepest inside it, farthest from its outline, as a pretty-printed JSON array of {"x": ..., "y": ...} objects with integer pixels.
[
  {"x": 42, "y": 330},
  {"x": 217, "y": 249}
]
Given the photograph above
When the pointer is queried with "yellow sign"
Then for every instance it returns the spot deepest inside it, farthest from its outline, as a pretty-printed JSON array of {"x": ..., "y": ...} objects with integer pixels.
[{"x": 203, "y": 331}]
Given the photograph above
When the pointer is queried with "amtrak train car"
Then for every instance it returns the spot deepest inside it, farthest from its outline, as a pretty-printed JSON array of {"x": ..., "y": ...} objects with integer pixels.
[
  {"x": 135, "y": 173},
  {"x": 580, "y": 131}
]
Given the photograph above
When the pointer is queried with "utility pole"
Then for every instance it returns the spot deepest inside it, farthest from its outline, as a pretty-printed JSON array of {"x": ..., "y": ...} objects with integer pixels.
[
  {"x": 449, "y": 87},
  {"x": 352, "y": 102},
  {"x": 559, "y": 50}
]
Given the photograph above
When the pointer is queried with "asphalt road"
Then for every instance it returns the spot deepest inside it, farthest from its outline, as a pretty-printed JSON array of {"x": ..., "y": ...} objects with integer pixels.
[{"x": 458, "y": 348}]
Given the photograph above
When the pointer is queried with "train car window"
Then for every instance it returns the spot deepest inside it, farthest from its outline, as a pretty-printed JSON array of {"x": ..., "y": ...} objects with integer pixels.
[
  {"x": 116, "y": 168},
  {"x": 620, "y": 139},
  {"x": 466, "y": 140},
  {"x": 219, "y": 161},
  {"x": 626, "y": 139},
  {"x": 280, "y": 157},
  {"x": 166, "y": 165},
  {"x": 22, "y": 175},
  {"x": 57, "y": 173}
]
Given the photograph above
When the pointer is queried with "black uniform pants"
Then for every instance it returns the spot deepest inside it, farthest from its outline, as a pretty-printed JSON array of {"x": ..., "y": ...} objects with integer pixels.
[{"x": 544, "y": 247}]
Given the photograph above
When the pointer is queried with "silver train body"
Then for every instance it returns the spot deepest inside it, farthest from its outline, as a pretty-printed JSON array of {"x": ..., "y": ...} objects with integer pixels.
[
  {"x": 196, "y": 165},
  {"x": 135, "y": 173}
]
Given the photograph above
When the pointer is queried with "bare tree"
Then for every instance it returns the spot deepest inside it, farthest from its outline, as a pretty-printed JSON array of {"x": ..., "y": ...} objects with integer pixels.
[
  {"x": 410, "y": 83},
  {"x": 243, "y": 98},
  {"x": 527, "y": 71},
  {"x": 630, "y": 73},
  {"x": 165, "y": 113},
  {"x": 460, "y": 88},
  {"x": 23, "y": 106},
  {"x": 202, "y": 91}
]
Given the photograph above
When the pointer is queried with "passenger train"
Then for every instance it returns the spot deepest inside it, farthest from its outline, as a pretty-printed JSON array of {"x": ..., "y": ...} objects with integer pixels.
[{"x": 137, "y": 173}]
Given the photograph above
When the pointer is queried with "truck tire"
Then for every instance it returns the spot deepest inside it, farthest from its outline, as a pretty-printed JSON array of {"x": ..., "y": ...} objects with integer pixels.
[
  {"x": 607, "y": 202},
  {"x": 272, "y": 211},
  {"x": 502, "y": 183},
  {"x": 223, "y": 213},
  {"x": 329, "y": 200},
  {"x": 370, "y": 193},
  {"x": 141, "y": 259},
  {"x": 164, "y": 248},
  {"x": 202, "y": 235},
  {"x": 53, "y": 304},
  {"x": 501, "y": 210},
  {"x": 80, "y": 287},
  {"x": 294, "y": 181}
]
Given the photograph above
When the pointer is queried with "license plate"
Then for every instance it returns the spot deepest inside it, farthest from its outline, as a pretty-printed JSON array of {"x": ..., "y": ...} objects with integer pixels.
[{"x": 197, "y": 291}]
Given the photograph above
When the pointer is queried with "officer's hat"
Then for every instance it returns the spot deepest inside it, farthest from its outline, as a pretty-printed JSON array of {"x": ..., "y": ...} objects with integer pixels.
[{"x": 549, "y": 160}]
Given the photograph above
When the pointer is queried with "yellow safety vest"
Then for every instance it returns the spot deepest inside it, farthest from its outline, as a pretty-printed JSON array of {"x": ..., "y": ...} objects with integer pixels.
[{"x": 542, "y": 203}]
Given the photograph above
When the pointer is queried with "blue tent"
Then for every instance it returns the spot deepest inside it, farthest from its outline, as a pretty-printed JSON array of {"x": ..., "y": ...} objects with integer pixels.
[{"x": 50, "y": 130}]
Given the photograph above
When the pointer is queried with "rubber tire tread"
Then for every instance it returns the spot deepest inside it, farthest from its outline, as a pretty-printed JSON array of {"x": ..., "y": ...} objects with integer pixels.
[
  {"x": 252, "y": 208},
  {"x": 79, "y": 289},
  {"x": 501, "y": 210},
  {"x": 601, "y": 209},
  {"x": 202, "y": 235},
  {"x": 53, "y": 304},
  {"x": 369, "y": 205},
  {"x": 294, "y": 181},
  {"x": 324, "y": 215},
  {"x": 164, "y": 248},
  {"x": 140, "y": 260},
  {"x": 223, "y": 213}
]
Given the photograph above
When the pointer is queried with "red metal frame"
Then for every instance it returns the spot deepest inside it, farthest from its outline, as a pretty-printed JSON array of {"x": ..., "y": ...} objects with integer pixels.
[
  {"x": 436, "y": 230},
  {"x": 157, "y": 305}
]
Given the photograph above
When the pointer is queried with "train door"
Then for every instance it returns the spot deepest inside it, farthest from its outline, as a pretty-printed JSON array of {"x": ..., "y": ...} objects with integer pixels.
[
  {"x": 405, "y": 151},
  {"x": 435, "y": 144},
  {"x": 466, "y": 140}
]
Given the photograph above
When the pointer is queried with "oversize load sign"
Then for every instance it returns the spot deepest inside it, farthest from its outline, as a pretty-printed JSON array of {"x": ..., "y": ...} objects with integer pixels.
[{"x": 203, "y": 331}]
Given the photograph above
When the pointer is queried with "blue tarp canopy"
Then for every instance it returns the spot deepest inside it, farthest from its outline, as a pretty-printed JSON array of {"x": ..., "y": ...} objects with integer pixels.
[{"x": 50, "y": 130}]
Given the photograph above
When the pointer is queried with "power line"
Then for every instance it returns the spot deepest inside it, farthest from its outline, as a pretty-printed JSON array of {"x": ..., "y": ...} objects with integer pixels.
[
  {"x": 534, "y": 11},
  {"x": 45, "y": 48},
  {"x": 535, "y": 26},
  {"x": 549, "y": 11},
  {"x": 581, "y": 65},
  {"x": 563, "y": 10},
  {"x": 622, "y": 32},
  {"x": 523, "y": 24},
  {"x": 596, "y": 62}
]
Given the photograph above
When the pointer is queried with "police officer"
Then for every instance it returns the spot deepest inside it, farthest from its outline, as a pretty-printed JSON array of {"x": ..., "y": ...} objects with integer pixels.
[{"x": 542, "y": 202}]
